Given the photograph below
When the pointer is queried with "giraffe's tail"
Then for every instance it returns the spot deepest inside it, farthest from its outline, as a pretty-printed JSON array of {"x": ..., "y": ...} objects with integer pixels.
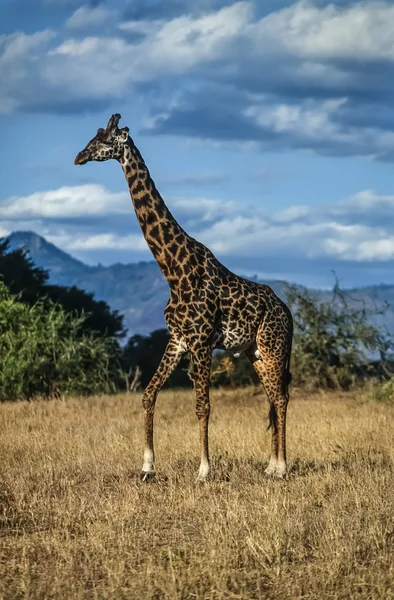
[
  {"x": 272, "y": 418},
  {"x": 287, "y": 376}
]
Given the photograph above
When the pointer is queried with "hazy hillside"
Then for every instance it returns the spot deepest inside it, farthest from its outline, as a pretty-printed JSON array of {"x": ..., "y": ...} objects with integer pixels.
[{"x": 139, "y": 290}]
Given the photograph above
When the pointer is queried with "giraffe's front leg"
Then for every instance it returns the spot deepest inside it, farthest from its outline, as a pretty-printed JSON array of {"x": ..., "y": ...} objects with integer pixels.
[
  {"x": 202, "y": 369},
  {"x": 168, "y": 363}
]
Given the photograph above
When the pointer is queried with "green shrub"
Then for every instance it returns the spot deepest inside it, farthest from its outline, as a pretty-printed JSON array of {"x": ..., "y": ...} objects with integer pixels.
[
  {"x": 335, "y": 345},
  {"x": 45, "y": 352},
  {"x": 384, "y": 392},
  {"x": 30, "y": 283},
  {"x": 228, "y": 371}
]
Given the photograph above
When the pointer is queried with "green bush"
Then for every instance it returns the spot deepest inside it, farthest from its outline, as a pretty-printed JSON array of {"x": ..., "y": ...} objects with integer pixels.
[
  {"x": 228, "y": 371},
  {"x": 30, "y": 283},
  {"x": 45, "y": 352},
  {"x": 384, "y": 392},
  {"x": 335, "y": 345}
]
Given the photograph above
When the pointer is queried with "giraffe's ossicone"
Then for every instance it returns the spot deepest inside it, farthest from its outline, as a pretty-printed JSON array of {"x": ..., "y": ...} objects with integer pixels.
[{"x": 209, "y": 307}]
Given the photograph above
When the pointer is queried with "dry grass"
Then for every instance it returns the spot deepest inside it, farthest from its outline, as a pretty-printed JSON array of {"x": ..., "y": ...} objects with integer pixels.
[{"x": 77, "y": 523}]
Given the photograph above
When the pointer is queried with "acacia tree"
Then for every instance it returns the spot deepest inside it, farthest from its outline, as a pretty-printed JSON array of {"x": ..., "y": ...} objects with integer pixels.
[{"x": 335, "y": 343}]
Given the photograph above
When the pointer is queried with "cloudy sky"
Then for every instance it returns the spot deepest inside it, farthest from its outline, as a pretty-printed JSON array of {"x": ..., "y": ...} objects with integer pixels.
[{"x": 267, "y": 126}]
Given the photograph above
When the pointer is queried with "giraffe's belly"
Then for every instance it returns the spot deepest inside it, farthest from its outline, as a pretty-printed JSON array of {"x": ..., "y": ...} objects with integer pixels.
[{"x": 234, "y": 339}]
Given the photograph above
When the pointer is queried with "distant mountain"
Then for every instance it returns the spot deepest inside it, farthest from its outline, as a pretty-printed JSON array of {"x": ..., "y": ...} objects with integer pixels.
[
  {"x": 139, "y": 290},
  {"x": 61, "y": 265}
]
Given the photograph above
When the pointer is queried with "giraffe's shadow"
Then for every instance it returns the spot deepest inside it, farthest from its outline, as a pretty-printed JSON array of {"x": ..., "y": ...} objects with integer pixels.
[
  {"x": 349, "y": 462},
  {"x": 226, "y": 468},
  {"x": 303, "y": 468}
]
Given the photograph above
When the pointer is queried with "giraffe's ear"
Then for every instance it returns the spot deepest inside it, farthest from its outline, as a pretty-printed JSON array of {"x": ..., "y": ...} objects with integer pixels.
[
  {"x": 113, "y": 123},
  {"x": 123, "y": 134}
]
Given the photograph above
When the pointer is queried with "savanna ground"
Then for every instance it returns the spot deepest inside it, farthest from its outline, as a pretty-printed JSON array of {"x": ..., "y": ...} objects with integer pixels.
[{"x": 75, "y": 521}]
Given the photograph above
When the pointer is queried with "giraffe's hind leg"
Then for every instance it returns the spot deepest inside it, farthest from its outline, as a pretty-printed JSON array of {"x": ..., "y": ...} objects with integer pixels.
[
  {"x": 201, "y": 357},
  {"x": 168, "y": 363},
  {"x": 272, "y": 370},
  {"x": 273, "y": 424}
]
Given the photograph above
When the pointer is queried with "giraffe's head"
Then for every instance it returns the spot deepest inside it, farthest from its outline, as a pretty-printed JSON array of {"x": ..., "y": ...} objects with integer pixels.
[{"x": 107, "y": 143}]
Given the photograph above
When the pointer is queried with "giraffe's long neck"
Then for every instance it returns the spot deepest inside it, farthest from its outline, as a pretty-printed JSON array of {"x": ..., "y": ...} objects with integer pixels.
[{"x": 165, "y": 237}]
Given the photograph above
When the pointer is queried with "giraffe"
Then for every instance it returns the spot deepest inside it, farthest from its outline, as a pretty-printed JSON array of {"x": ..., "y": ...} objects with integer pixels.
[{"x": 209, "y": 307}]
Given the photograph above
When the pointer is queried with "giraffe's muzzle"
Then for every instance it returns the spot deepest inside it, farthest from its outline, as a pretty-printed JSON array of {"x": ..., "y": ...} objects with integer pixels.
[{"x": 81, "y": 158}]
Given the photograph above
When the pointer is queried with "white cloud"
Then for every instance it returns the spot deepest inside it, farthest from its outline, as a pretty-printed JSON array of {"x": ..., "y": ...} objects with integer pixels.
[
  {"x": 257, "y": 234},
  {"x": 292, "y": 213},
  {"x": 367, "y": 201},
  {"x": 88, "y": 16},
  {"x": 232, "y": 34},
  {"x": 372, "y": 250},
  {"x": 95, "y": 200},
  {"x": 19, "y": 54},
  {"x": 311, "y": 120},
  {"x": 102, "y": 241},
  {"x": 109, "y": 65},
  {"x": 311, "y": 48},
  {"x": 319, "y": 125},
  {"x": 361, "y": 30},
  {"x": 313, "y": 239},
  {"x": 344, "y": 231},
  {"x": 142, "y": 26},
  {"x": 203, "y": 209},
  {"x": 66, "y": 202},
  {"x": 303, "y": 47},
  {"x": 361, "y": 245}
]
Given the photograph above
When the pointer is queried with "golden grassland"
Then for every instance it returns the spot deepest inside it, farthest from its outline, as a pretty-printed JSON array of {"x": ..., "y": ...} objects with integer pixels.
[{"x": 76, "y": 522}]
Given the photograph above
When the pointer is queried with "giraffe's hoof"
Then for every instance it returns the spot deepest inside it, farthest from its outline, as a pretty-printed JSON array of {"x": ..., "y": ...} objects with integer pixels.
[
  {"x": 201, "y": 480},
  {"x": 271, "y": 469},
  {"x": 280, "y": 470},
  {"x": 276, "y": 470},
  {"x": 276, "y": 475},
  {"x": 147, "y": 476},
  {"x": 203, "y": 473}
]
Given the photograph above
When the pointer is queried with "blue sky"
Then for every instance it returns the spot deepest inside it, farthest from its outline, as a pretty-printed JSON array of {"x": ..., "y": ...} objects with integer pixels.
[{"x": 267, "y": 126}]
